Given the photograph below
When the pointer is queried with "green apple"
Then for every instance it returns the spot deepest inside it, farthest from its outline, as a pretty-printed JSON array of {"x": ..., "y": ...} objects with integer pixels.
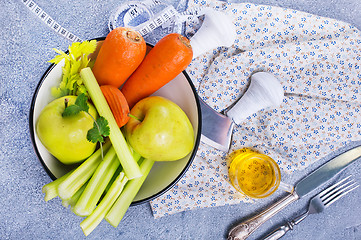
[
  {"x": 66, "y": 137},
  {"x": 159, "y": 130}
]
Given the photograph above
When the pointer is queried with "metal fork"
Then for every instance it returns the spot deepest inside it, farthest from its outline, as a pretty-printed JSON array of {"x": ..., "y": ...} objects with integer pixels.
[{"x": 317, "y": 204}]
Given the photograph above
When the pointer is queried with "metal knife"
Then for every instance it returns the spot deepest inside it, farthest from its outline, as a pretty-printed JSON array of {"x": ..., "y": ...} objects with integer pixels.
[
  {"x": 216, "y": 128},
  {"x": 264, "y": 91},
  {"x": 302, "y": 188}
]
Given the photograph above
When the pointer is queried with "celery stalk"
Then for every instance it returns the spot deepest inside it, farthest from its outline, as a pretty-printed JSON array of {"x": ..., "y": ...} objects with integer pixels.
[
  {"x": 81, "y": 175},
  {"x": 93, "y": 220},
  {"x": 51, "y": 189},
  {"x": 112, "y": 192},
  {"x": 74, "y": 199},
  {"x": 117, "y": 172},
  {"x": 97, "y": 184},
  {"x": 124, "y": 154},
  {"x": 116, "y": 213},
  {"x": 136, "y": 157}
]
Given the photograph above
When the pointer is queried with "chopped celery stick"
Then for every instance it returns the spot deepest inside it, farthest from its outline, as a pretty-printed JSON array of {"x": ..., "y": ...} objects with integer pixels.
[
  {"x": 130, "y": 166},
  {"x": 114, "y": 189},
  {"x": 81, "y": 174},
  {"x": 51, "y": 189},
  {"x": 117, "y": 172},
  {"x": 93, "y": 220},
  {"x": 116, "y": 213},
  {"x": 136, "y": 157},
  {"x": 74, "y": 199},
  {"x": 97, "y": 184}
]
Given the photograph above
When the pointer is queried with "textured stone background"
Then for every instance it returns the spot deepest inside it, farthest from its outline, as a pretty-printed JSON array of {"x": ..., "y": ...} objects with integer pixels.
[{"x": 25, "y": 46}]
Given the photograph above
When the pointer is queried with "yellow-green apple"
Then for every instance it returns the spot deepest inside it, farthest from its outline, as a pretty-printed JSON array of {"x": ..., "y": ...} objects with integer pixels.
[
  {"x": 159, "y": 130},
  {"x": 66, "y": 137}
]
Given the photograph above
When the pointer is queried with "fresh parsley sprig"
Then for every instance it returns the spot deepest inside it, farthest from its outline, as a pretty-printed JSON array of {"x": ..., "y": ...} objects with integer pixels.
[
  {"x": 100, "y": 128},
  {"x": 79, "y": 105}
]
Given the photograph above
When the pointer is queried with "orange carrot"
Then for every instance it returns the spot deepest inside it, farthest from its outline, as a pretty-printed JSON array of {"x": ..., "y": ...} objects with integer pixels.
[
  {"x": 121, "y": 53},
  {"x": 168, "y": 58},
  {"x": 117, "y": 103}
]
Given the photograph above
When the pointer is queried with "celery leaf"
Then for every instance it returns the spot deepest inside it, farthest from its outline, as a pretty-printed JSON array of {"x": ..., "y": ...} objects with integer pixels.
[{"x": 75, "y": 60}]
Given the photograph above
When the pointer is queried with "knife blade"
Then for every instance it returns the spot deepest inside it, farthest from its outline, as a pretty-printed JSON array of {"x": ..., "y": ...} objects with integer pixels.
[
  {"x": 216, "y": 128},
  {"x": 327, "y": 171},
  {"x": 265, "y": 91},
  {"x": 317, "y": 178}
]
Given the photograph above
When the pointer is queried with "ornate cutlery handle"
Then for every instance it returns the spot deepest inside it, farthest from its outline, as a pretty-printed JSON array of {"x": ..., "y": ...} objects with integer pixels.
[
  {"x": 282, "y": 230},
  {"x": 243, "y": 230},
  {"x": 279, "y": 232}
]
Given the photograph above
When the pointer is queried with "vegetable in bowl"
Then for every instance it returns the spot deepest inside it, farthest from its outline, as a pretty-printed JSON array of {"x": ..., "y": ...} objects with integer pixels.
[{"x": 157, "y": 177}]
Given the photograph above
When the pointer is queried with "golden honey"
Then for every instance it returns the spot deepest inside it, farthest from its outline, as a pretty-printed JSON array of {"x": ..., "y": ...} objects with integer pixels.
[{"x": 254, "y": 174}]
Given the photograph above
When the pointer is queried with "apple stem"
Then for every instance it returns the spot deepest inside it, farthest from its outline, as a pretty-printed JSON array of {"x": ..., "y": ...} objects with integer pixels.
[
  {"x": 66, "y": 102},
  {"x": 132, "y": 116}
]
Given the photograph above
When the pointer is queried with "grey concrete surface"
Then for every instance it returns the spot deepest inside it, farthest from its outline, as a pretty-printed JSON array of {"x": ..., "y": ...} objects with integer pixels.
[{"x": 25, "y": 46}]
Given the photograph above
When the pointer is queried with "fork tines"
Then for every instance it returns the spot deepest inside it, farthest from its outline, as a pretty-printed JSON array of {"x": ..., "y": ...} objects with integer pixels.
[{"x": 337, "y": 190}]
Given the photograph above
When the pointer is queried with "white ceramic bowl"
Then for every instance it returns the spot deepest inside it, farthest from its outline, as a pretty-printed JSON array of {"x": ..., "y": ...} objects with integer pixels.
[{"x": 163, "y": 174}]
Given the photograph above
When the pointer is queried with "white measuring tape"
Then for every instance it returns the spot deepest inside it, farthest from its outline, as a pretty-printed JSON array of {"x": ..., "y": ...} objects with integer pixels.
[
  {"x": 133, "y": 9},
  {"x": 32, "y": 6}
]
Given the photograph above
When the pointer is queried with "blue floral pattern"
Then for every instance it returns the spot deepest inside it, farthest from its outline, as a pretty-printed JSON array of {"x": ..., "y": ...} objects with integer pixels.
[{"x": 317, "y": 61}]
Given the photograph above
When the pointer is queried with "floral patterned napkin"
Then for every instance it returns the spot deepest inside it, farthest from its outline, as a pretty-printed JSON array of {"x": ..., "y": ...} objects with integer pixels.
[{"x": 318, "y": 63}]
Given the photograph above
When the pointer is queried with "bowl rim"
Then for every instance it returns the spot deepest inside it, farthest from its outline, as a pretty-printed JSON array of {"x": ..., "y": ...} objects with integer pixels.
[{"x": 134, "y": 203}]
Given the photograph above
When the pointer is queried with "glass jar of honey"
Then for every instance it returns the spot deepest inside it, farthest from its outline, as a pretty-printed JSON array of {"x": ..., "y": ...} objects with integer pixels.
[{"x": 253, "y": 174}]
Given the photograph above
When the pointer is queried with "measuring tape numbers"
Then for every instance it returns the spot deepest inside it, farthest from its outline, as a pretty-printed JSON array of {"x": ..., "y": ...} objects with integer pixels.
[
  {"x": 123, "y": 15},
  {"x": 49, "y": 21}
]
